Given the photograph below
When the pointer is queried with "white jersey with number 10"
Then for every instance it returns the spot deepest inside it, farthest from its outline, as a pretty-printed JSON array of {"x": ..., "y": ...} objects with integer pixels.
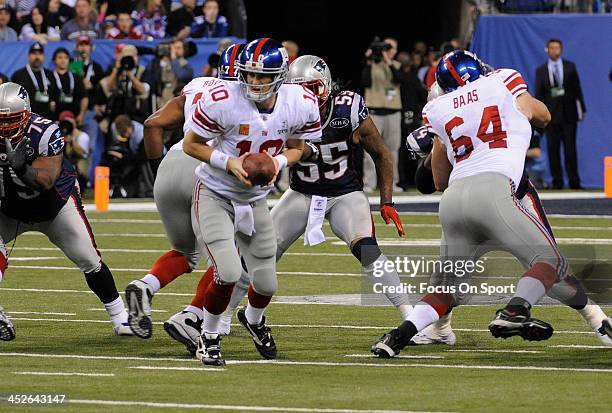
[
  {"x": 481, "y": 127},
  {"x": 237, "y": 127}
]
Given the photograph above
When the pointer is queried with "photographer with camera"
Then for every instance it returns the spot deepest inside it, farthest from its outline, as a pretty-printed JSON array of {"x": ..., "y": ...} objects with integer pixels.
[
  {"x": 76, "y": 148},
  {"x": 381, "y": 78},
  {"x": 124, "y": 89},
  {"x": 168, "y": 72}
]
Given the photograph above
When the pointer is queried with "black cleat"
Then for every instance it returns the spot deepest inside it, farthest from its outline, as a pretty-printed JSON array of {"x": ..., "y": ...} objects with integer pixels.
[
  {"x": 209, "y": 350},
  {"x": 606, "y": 327},
  {"x": 138, "y": 295},
  {"x": 264, "y": 343},
  {"x": 507, "y": 325},
  {"x": 7, "y": 331},
  {"x": 390, "y": 344}
]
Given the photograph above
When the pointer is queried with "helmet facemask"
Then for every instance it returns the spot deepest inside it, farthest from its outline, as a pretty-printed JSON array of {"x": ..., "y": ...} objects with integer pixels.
[
  {"x": 319, "y": 88},
  {"x": 261, "y": 92},
  {"x": 13, "y": 126}
]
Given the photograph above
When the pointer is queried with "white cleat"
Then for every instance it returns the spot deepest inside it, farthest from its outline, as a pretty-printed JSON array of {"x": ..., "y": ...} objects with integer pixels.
[
  {"x": 185, "y": 327},
  {"x": 138, "y": 295},
  {"x": 123, "y": 329},
  {"x": 225, "y": 324},
  {"x": 433, "y": 335},
  {"x": 604, "y": 333}
]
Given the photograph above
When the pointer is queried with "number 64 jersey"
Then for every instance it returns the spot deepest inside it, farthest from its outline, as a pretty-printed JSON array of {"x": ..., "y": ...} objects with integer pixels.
[
  {"x": 238, "y": 127},
  {"x": 481, "y": 127}
]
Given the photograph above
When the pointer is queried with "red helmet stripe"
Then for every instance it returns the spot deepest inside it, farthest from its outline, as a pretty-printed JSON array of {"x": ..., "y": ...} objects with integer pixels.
[
  {"x": 453, "y": 71},
  {"x": 232, "y": 60},
  {"x": 258, "y": 48}
]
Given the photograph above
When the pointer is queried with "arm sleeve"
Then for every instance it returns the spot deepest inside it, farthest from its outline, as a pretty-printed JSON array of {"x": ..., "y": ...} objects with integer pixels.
[
  {"x": 513, "y": 81},
  {"x": 359, "y": 112}
]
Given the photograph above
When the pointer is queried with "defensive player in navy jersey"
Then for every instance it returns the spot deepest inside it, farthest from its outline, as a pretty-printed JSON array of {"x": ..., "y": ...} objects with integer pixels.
[
  {"x": 39, "y": 193},
  {"x": 325, "y": 185},
  {"x": 569, "y": 291}
]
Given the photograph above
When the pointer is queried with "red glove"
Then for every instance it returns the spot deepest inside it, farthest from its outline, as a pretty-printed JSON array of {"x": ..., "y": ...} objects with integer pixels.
[{"x": 388, "y": 213}]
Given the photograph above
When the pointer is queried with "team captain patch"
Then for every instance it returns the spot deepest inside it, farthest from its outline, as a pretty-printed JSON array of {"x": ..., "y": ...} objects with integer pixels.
[{"x": 243, "y": 129}]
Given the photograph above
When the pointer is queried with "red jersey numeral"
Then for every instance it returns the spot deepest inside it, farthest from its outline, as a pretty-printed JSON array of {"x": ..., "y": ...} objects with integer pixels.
[
  {"x": 496, "y": 138},
  {"x": 196, "y": 98},
  {"x": 275, "y": 144},
  {"x": 218, "y": 93}
]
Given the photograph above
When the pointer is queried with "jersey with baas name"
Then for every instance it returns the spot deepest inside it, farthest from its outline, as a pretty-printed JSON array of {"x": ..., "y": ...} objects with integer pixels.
[
  {"x": 238, "y": 127},
  {"x": 333, "y": 173},
  {"x": 29, "y": 205},
  {"x": 481, "y": 127}
]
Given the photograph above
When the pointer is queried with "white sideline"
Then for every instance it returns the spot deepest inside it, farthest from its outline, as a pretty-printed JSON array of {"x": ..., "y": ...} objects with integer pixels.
[
  {"x": 232, "y": 407},
  {"x": 319, "y": 363},
  {"x": 331, "y": 326},
  {"x": 45, "y": 373}
]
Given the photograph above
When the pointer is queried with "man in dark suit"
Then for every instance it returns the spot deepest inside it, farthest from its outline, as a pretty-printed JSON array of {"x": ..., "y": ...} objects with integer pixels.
[{"x": 558, "y": 86}]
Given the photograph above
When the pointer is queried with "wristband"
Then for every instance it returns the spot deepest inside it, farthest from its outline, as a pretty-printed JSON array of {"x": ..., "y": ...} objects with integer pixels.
[
  {"x": 282, "y": 161},
  {"x": 219, "y": 160}
]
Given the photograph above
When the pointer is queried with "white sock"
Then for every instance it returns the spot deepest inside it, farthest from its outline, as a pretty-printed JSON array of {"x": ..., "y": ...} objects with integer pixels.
[
  {"x": 422, "y": 316},
  {"x": 530, "y": 289},
  {"x": 211, "y": 322},
  {"x": 383, "y": 272},
  {"x": 153, "y": 282},
  {"x": 254, "y": 315},
  {"x": 195, "y": 310},
  {"x": 593, "y": 314},
  {"x": 116, "y": 311},
  {"x": 405, "y": 310}
]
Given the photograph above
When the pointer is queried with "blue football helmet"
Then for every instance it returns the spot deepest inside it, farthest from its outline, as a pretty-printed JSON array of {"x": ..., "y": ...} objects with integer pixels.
[
  {"x": 457, "y": 68},
  {"x": 263, "y": 56},
  {"x": 228, "y": 62}
]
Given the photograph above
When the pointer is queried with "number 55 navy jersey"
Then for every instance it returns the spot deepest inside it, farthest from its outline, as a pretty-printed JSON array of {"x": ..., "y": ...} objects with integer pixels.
[{"x": 29, "y": 205}]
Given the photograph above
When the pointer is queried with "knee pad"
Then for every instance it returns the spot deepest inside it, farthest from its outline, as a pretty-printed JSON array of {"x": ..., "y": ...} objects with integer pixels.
[
  {"x": 366, "y": 250},
  {"x": 264, "y": 280}
]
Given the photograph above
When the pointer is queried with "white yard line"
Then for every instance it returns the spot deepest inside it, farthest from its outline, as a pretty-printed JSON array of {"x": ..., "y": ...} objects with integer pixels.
[
  {"x": 45, "y": 373},
  {"x": 214, "y": 407},
  {"x": 401, "y": 356},
  {"x": 102, "y": 309},
  {"x": 100, "y": 234},
  {"x": 177, "y": 368},
  {"x": 497, "y": 351},
  {"x": 42, "y": 313},
  {"x": 579, "y": 346}
]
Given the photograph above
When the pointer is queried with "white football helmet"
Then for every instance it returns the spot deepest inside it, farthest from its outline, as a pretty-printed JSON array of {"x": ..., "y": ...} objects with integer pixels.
[{"x": 313, "y": 73}]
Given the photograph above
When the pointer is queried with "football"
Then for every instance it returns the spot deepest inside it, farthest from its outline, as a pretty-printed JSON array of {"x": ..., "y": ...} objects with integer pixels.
[{"x": 260, "y": 168}]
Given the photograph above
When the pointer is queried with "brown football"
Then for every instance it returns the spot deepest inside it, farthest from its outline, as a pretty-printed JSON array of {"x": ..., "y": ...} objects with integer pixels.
[{"x": 260, "y": 168}]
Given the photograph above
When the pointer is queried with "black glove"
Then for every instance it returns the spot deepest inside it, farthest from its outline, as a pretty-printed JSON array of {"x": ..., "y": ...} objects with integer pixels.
[{"x": 17, "y": 157}]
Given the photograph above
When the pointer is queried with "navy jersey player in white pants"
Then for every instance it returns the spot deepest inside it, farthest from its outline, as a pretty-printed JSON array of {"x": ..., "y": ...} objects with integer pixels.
[{"x": 39, "y": 193}]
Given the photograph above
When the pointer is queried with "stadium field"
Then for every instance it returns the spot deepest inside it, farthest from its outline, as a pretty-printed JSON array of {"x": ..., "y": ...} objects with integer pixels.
[{"x": 65, "y": 345}]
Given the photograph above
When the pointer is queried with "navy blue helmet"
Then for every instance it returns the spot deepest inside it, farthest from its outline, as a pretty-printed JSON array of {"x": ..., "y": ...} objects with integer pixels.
[
  {"x": 228, "y": 62},
  {"x": 457, "y": 68},
  {"x": 265, "y": 57}
]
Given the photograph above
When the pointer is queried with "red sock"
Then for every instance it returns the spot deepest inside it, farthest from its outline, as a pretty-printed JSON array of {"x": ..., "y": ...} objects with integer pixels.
[
  {"x": 441, "y": 302},
  {"x": 207, "y": 278},
  {"x": 257, "y": 300},
  {"x": 169, "y": 266},
  {"x": 3, "y": 265},
  {"x": 217, "y": 297}
]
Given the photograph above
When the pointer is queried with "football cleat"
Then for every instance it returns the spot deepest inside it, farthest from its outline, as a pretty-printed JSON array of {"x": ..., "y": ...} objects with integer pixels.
[
  {"x": 225, "y": 324},
  {"x": 139, "y": 295},
  {"x": 432, "y": 335},
  {"x": 185, "y": 328},
  {"x": 123, "y": 329},
  {"x": 604, "y": 333},
  {"x": 7, "y": 331},
  {"x": 506, "y": 325},
  {"x": 390, "y": 344},
  {"x": 264, "y": 343},
  {"x": 209, "y": 350}
]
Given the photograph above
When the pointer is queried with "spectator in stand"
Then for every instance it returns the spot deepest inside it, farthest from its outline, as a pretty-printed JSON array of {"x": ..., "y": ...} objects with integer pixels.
[
  {"x": 180, "y": 20},
  {"x": 381, "y": 78},
  {"x": 210, "y": 24},
  {"x": 293, "y": 50},
  {"x": 91, "y": 72},
  {"x": 72, "y": 95},
  {"x": 37, "y": 82},
  {"x": 38, "y": 30},
  {"x": 150, "y": 16},
  {"x": 77, "y": 143},
  {"x": 83, "y": 24},
  {"x": 235, "y": 11},
  {"x": 7, "y": 34},
  {"x": 446, "y": 47},
  {"x": 124, "y": 29},
  {"x": 210, "y": 69},
  {"x": 24, "y": 9},
  {"x": 420, "y": 47},
  {"x": 110, "y": 9},
  {"x": 57, "y": 13}
]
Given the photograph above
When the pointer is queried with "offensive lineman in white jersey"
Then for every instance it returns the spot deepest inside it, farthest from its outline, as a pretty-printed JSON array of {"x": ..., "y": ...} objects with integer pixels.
[
  {"x": 175, "y": 179},
  {"x": 484, "y": 125},
  {"x": 257, "y": 114}
]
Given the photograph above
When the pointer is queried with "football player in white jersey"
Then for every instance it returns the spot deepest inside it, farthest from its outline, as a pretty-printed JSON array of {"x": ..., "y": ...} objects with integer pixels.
[
  {"x": 257, "y": 114},
  {"x": 175, "y": 179},
  {"x": 483, "y": 123}
]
